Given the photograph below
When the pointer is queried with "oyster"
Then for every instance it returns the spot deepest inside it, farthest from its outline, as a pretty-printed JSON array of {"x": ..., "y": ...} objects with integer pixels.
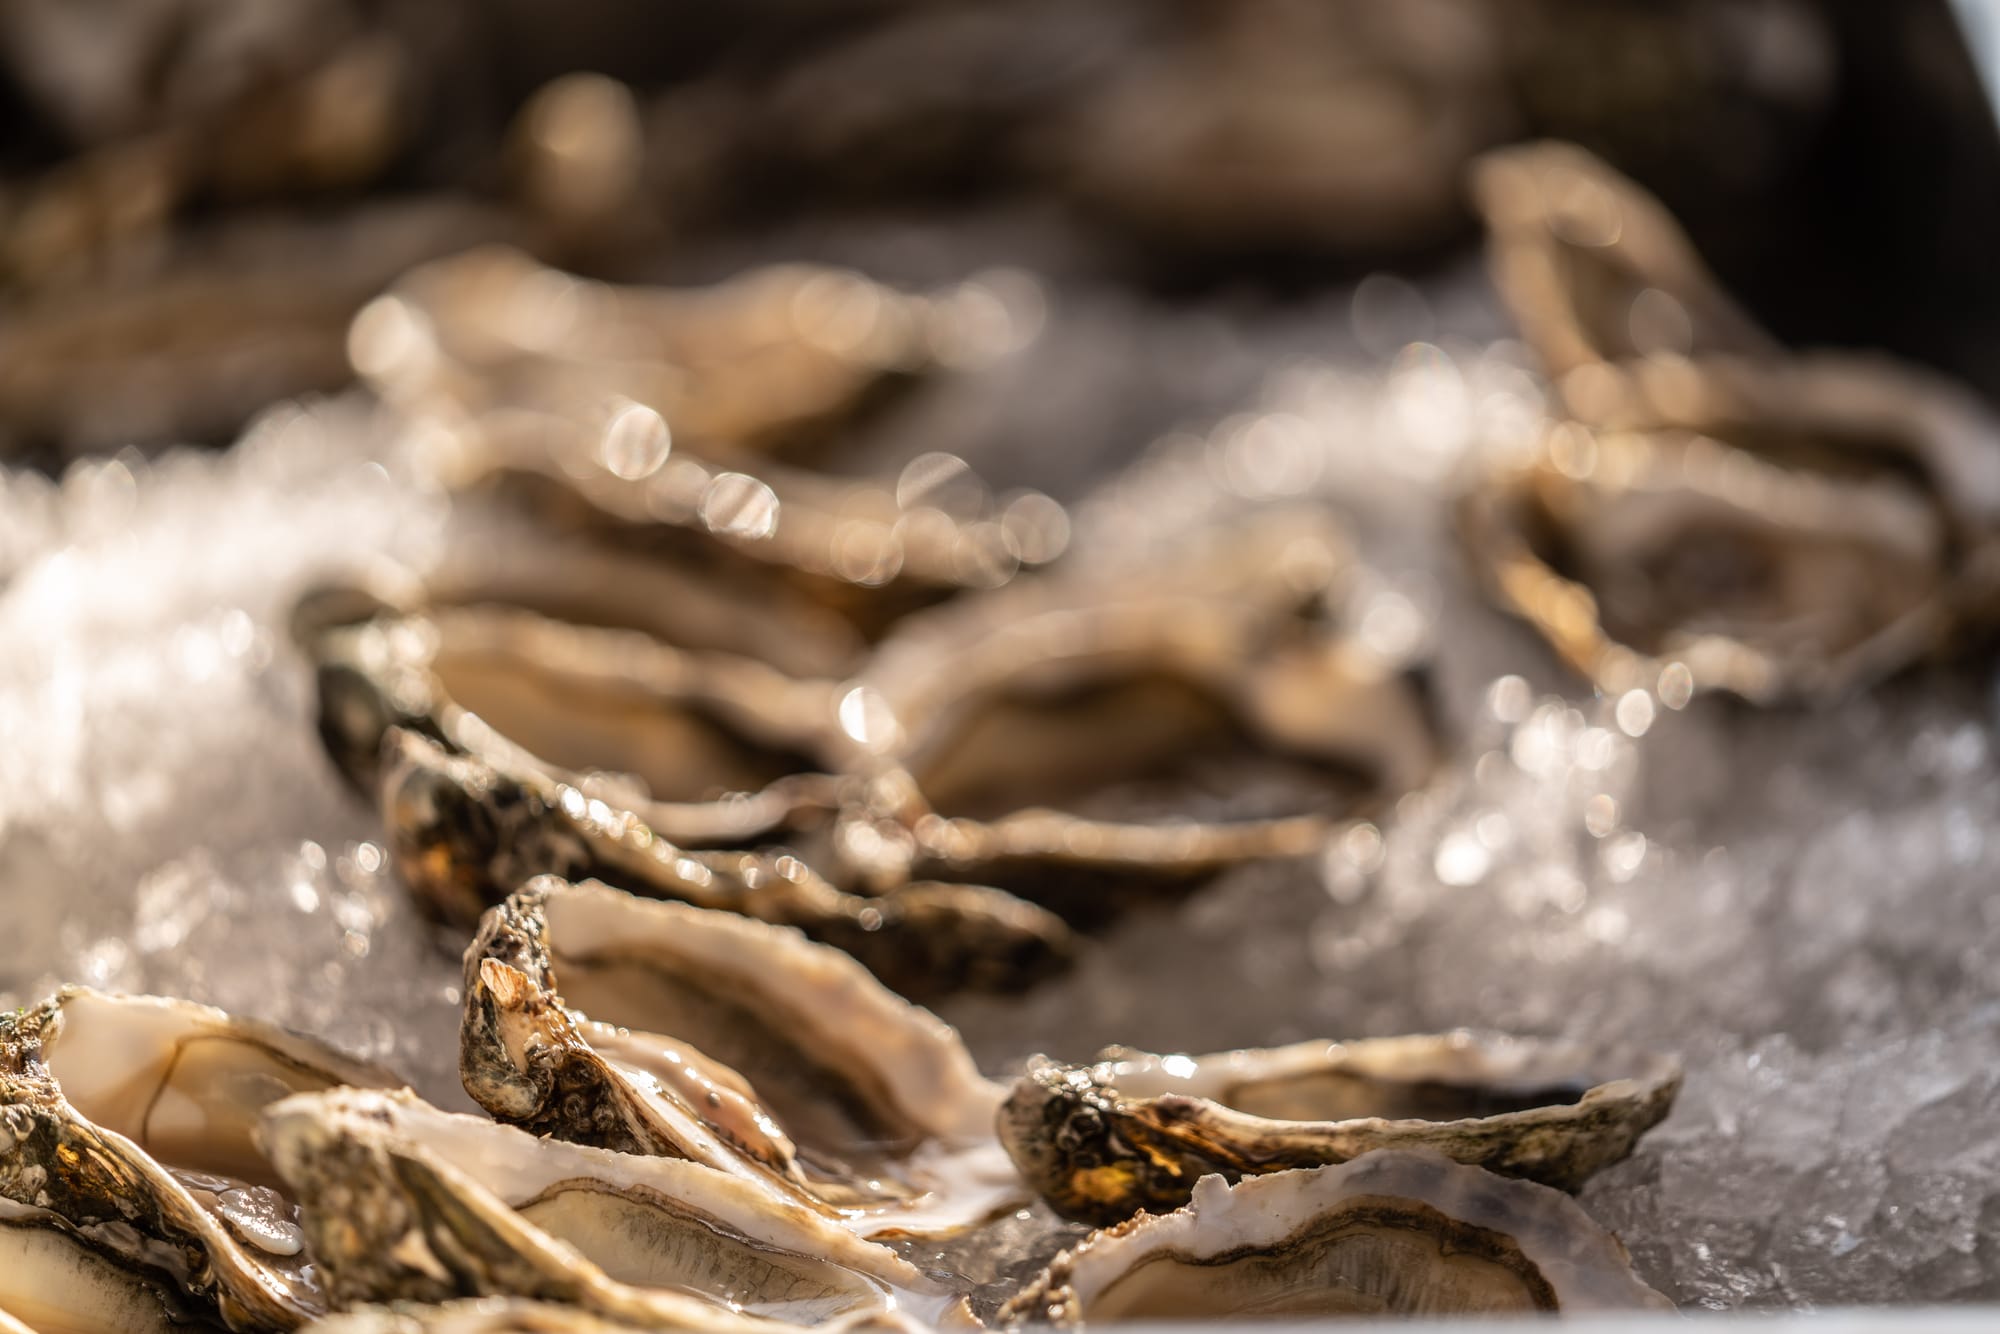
[
  {"x": 663, "y": 730},
  {"x": 1267, "y": 125},
  {"x": 128, "y": 1127},
  {"x": 649, "y": 418},
  {"x": 52, "y": 1281},
  {"x": 1135, "y": 1132},
  {"x": 773, "y": 353},
  {"x": 513, "y": 1315},
  {"x": 488, "y": 1315},
  {"x": 1085, "y": 739},
  {"x": 408, "y": 1203},
  {"x": 658, "y": 1028},
  {"x": 1389, "y": 1233},
  {"x": 1774, "y": 524},
  {"x": 464, "y": 833}
]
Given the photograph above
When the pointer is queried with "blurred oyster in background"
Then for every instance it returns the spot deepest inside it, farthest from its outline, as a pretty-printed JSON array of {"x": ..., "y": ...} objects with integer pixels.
[
  {"x": 208, "y": 329},
  {"x": 1775, "y": 524},
  {"x": 1391, "y": 1233},
  {"x": 657, "y": 418},
  {"x": 1135, "y": 1132},
  {"x": 1293, "y": 125},
  {"x": 1092, "y": 739}
]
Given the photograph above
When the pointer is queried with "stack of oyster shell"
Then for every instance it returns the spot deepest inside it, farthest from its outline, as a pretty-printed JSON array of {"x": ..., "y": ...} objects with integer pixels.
[{"x": 728, "y": 753}]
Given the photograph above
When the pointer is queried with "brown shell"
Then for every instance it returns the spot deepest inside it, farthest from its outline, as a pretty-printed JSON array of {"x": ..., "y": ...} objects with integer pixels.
[
  {"x": 1389, "y": 1233},
  {"x": 1545, "y": 1111}
]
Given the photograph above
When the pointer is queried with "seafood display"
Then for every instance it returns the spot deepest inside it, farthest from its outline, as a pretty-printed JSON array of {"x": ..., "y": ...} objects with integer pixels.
[{"x": 763, "y": 642}]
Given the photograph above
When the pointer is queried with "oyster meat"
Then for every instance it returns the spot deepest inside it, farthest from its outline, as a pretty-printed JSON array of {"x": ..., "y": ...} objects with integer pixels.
[
  {"x": 129, "y": 1126},
  {"x": 1136, "y": 1132},
  {"x": 1775, "y": 524},
  {"x": 464, "y": 833},
  {"x": 408, "y": 1203},
  {"x": 1391, "y": 1233},
  {"x": 653, "y": 1027}
]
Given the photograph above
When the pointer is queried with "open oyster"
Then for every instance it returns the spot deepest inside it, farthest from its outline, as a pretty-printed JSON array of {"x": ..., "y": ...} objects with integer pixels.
[
  {"x": 1775, "y": 524},
  {"x": 52, "y": 1280},
  {"x": 649, "y": 418},
  {"x": 1390, "y": 1233},
  {"x": 1083, "y": 739},
  {"x": 477, "y": 1315},
  {"x": 663, "y": 730},
  {"x": 465, "y": 833},
  {"x": 772, "y": 354},
  {"x": 515, "y": 1315},
  {"x": 1135, "y": 1132},
  {"x": 653, "y": 1027},
  {"x": 128, "y": 1126},
  {"x": 408, "y": 1203}
]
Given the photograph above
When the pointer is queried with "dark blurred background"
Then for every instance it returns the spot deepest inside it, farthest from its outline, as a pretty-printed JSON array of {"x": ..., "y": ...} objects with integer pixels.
[{"x": 195, "y": 195}]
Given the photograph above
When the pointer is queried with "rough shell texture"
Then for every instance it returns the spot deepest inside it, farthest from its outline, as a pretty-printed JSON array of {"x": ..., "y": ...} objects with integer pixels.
[
  {"x": 127, "y": 1121},
  {"x": 1136, "y": 1132},
  {"x": 407, "y": 1203},
  {"x": 652, "y": 1027},
  {"x": 465, "y": 834},
  {"x": 1390, "y": 1233}
]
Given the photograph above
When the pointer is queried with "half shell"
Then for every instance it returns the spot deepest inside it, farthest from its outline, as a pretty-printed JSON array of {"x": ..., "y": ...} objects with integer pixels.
[
  {"x": 647, "y": 418},
  {"x": 1774, "y": 524},
  {"x": 668, "y": 731},
  {"x": 408, "y": 1203},
  {"x": 656, "y": 1028},
  {"x": 1135, "y": 1132},
  {"x": 1083, "y": 737},
  {"x": 52, "y": 1281},
  {"x": 128, "y": 1125},
  {"x": 465, "y": 833},
  {"x": 514, "y": 1315},
  {"x": 1390, "y": 1233}
]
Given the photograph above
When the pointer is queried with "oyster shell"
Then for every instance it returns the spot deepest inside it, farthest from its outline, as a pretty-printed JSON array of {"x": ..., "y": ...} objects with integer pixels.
[
  {"x": 1390, "y": 1233},
  {"x": 1135, "y": 1132},
  {"x": 772, "y": 353},
  {"x": 513, "y": 1315},
  {"x": 52, "y": 1281},
  {"x": 658, "y": 1028},
  {"x": 516, "y": 365},
  {"x": 408, "y": 1203},
  {"x": 1777, "y": 524},
  {"x": 465, "y": 833},
  {"x": 659, "y": 729},
  {"x": 1084, "y": 740},
  {"x": 483, "y": 1315},
  {"x": 128, "y": 1126}
]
